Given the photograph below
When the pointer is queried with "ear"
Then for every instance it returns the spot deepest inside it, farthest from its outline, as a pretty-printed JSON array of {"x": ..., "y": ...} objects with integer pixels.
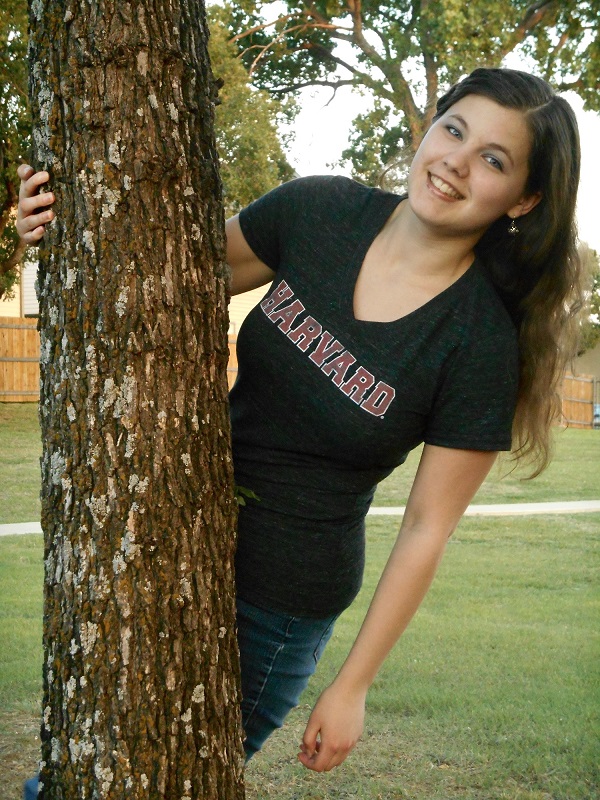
[{"x": 524, "y": 206}]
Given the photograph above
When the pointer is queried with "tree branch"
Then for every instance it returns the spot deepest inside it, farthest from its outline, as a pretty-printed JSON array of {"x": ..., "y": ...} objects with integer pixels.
[
  {"x": 358, "y": 36},
  {"x": 399, "y": 93},
  {"x": 263, "y": 48},
  {"x": 569, "y": 86},
  {"x": 554, "y": 53},
  {"x": 313, "y": 11},
  {"x": 354, "y": 35},
  {"x": 534, "y": 15},
  {"x": 401, "y": 96},
  {"x": 323, "y": 51},
  {"x": 332, "y": 85},
  {"x": 431, "y": 73},
  {"x": 415, "y": 13},
  {"x": 12, "y": 194},
  {"x": 354, "y": 6},
  {"x": 256, "y": 28},
  {"x": 335, "y": 91},
  {"x": 14, "y": 86},
  {"x": 13, "y": 261},
  {"x": 536, "y": 11},
  {"x": 384, "y": 42}
]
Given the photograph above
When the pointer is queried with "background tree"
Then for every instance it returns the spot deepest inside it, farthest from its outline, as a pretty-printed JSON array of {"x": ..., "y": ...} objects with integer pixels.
[
  {"x": 590, "y": 334},
  {"x": 138, "y": 512},
  {"x": 403, "y": 54},
  {"x": 251, "y": 151},
  {"x": 251, "y": 154},
  {"x": 15, "y": 130}
]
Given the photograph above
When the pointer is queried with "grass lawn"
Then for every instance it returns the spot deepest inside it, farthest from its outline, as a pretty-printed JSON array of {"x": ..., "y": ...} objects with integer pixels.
[
  {"x": 20, "y": 451},
  {"x": 574, "y": 474},
  {"x": 492, "y": 693}
]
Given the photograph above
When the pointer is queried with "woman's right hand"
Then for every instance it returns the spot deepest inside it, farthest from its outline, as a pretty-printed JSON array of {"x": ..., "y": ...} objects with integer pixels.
[{"x": 31, "y": 223}]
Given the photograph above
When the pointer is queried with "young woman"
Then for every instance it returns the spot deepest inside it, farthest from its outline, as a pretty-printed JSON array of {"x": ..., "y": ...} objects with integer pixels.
[{"x": 442, "y": 317}]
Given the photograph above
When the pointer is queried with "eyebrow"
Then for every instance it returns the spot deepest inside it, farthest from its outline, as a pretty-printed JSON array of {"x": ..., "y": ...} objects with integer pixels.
[{"x": 493, "y": 145}]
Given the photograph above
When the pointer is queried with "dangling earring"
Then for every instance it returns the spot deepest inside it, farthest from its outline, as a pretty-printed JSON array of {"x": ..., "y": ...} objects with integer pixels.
[{"x": 513, "y": 230}]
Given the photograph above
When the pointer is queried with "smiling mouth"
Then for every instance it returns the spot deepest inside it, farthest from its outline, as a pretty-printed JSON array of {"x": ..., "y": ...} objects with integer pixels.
[{"x": 445, "y": 188}]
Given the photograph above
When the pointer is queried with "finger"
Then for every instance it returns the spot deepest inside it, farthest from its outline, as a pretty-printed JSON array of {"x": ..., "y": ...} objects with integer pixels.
[
  {"x": 327, "y": 756},
  {"x": 27, "y": 205},
  {"x": 314, "y": 754},
  {"x": 31, "y": 185},
  {"x": 309, "y": 753},
  {"x": 336, "y": 760},
  {"x": 310, "y": 742},
  {"x": 28, "y": 224},
  {"x": 323, "y": 760},
  {"x": 33, "y": 237},
  {"x": 31, "y": 232},
  {"x": 25, "y": 171}
]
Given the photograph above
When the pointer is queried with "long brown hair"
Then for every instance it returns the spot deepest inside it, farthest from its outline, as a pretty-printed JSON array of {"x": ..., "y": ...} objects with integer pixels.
[{"x": 537, "y": 272}]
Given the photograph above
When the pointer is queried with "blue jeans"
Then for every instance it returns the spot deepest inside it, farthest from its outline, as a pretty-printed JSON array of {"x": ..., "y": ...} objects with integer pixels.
[{"x": 278, "y": 654}]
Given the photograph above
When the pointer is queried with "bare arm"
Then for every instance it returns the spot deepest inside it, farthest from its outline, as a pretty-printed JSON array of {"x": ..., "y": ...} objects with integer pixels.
[
  {"x": 247, "y": 270},
  {"x": 444, "y": 485}
]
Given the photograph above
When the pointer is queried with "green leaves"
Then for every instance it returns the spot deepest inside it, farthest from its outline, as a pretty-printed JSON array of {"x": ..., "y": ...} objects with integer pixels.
[
  {"x": 15, "y": 129},
  {"x": 251, "y": 154},
  {"x": 241, "y": 494},
  {"x": 590, "y": 329},
  {"x": 377, "y": 140},
  {"x": 404, "y": 54}
]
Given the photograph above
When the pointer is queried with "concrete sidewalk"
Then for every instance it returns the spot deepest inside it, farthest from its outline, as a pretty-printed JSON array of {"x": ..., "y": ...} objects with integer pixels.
[
  {"x": 508, "y": 509},
  {"x": 499, "y": 510},
  {"x": 20, "y": 527}
]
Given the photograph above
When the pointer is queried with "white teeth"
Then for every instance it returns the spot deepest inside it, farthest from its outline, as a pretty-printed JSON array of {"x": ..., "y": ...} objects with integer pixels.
[{"x": 445, "y": 187}]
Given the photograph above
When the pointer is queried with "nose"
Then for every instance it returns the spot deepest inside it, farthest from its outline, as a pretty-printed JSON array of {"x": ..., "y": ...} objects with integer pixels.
[{"x": 457, "y": 161}]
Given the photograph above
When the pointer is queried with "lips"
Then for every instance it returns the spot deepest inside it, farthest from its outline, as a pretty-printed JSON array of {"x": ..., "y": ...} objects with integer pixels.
[{"x": 445, "y": 188}]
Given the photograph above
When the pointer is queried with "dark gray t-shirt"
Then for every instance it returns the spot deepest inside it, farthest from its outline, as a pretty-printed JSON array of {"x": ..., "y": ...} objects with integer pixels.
[{"x": 325, "y": 406}]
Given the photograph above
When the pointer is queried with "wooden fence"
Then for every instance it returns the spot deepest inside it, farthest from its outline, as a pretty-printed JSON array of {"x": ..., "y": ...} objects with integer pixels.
[
  {"x": 19, "y": 360},
  {"x": 20, "y": 355},
  {"x": 19, "y": 374},
  {"x": 578, "y": 402}
]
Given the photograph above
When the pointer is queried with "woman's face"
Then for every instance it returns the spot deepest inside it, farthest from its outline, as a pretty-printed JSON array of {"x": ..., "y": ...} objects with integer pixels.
[{"x": 471, "y": 168}]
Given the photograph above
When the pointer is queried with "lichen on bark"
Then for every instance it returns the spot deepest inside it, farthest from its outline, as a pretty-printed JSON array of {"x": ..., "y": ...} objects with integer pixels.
[{"x": 140, "y": 682}]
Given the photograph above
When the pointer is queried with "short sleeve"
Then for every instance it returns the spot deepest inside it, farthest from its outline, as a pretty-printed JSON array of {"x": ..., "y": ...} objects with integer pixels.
[
  {"x": 475, "y": 405},
  {"x": 266, "y": 223},
  {"x": 295, "y": 209}
]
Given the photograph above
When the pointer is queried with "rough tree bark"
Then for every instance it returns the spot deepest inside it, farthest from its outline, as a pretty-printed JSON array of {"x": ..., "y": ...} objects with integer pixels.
[{"x": 138, "y": 511}]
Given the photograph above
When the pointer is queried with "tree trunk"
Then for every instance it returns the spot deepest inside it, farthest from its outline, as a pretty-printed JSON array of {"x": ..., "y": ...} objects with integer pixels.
[{"x": 140, "y": 655}]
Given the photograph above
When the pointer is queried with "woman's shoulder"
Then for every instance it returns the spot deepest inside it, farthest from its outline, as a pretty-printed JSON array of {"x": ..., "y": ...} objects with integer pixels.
[
  {"x": 316, "y": 202},
  {"x": 325, "y": 189}
]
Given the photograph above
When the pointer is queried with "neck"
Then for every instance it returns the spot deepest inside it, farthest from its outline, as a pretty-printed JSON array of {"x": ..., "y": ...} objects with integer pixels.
[{"x": 425, "y": 250}]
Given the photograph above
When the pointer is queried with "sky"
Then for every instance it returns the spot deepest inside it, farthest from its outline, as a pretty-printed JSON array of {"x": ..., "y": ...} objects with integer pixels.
[{"x": 322, "y": 133}]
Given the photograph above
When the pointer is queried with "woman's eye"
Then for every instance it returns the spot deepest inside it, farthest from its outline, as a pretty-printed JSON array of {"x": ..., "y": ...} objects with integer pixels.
[
  {"x": 495, "y": 162},
  {"x": 453, "y": 131}
]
